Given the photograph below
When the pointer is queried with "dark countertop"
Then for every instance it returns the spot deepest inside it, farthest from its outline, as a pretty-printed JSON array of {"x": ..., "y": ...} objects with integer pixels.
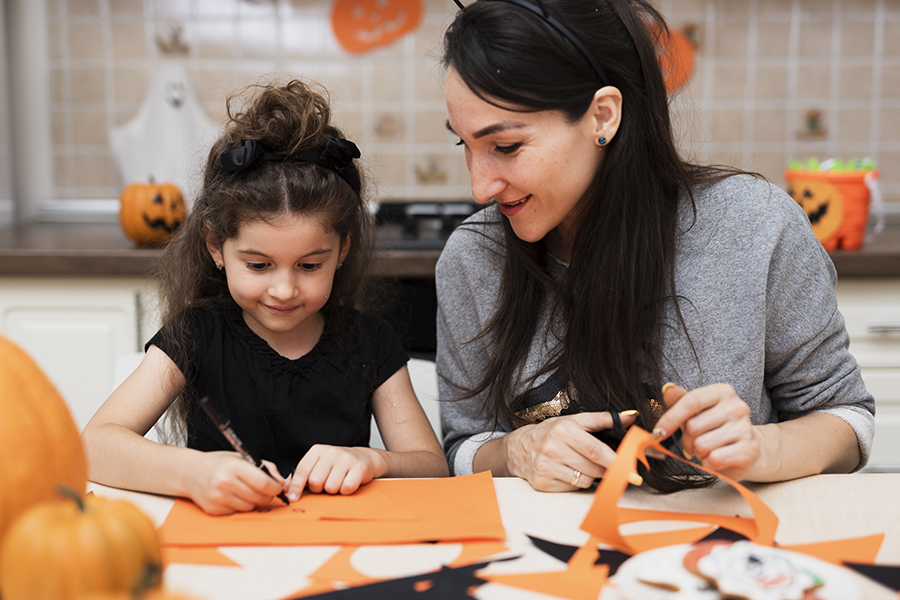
[{"x": 101, "y": 249}]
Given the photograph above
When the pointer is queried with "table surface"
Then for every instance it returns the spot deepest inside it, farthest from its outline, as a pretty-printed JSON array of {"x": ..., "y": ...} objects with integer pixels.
[{"x": 820, "y": 508}]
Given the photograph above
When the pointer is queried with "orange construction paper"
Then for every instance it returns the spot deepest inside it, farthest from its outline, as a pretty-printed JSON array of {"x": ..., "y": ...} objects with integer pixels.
[
  {"x": 856, "y": 550},
  {"x": 472, "y": 552},
  {"x": 605, "y": 516},
  {"x": 200, "y": 555},
  {"x": 339, "y": 570},
  {"x": 442, "y": 509},
  {"x": 582, "y": 580},
  {"x": 642, "y": 542}
]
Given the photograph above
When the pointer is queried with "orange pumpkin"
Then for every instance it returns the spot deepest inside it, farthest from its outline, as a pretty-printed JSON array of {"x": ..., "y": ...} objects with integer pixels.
[
  {"x": 361, "y": 25},
  {"x": 39, "y": 442},
  {"x": 150, "y": 212},
  {"x": 62, "y": 550}
]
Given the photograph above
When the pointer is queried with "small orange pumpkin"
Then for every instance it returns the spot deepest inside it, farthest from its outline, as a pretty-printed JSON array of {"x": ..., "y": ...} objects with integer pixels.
[
  {"x": 151, "y": 213},
  {"x": 62, "y": 550},
  {"x": 39, "y": 441},
  {"x": 361, "y": 25}
]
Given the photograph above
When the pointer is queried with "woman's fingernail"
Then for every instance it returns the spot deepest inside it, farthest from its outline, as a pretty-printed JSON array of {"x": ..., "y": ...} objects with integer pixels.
[
  {"x": 666, "y": 387},
  {"x": 628, "y": 413},
  {"x": 635, "y": 479},
  {"x": 687, "y": 455},
  {"x": 658, "y": 433}
]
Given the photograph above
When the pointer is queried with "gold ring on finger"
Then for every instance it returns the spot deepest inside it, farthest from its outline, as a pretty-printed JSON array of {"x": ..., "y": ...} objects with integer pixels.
[{"x": 575, "y": 478}]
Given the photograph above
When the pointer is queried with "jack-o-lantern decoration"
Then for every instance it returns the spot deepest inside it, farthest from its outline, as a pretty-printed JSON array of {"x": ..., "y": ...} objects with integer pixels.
[
  {"x": 150, "y": 212},
  {"x": 675, "y": 51},
  {"x": 822, "y": 203},
  {"x": 361, "y": 25},
  {"x": 836, "y": 202}
]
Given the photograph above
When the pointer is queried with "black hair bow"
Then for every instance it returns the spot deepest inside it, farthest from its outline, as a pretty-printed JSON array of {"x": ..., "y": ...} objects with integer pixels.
[
  {"x": 338, "y": 154},
  {"x": 238, "y": 159}
]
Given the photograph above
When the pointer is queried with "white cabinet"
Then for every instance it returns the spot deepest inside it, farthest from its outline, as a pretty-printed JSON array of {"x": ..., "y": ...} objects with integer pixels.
[
  {"x": 76, "y": 328},
  {"x": 871, "y": 309}
]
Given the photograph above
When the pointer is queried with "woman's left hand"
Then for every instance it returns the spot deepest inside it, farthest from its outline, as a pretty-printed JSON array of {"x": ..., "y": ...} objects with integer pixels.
[
  {"x": 715, "y": 428},
  {"x": 335, "y": 470}
]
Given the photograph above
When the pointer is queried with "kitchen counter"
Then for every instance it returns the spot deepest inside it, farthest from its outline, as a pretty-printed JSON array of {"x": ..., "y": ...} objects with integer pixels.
[{"x": 101, "y": 249}]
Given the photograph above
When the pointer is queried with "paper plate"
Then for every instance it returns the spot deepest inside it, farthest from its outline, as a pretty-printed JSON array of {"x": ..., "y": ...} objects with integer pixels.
[{"x": 668, "y": 563}]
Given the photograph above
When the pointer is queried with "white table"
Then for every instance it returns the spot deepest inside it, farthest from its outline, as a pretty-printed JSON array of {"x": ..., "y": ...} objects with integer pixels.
[{"x": 820, "y": 508}]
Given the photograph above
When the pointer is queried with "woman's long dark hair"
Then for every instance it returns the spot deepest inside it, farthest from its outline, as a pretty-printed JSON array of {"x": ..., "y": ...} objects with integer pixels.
[{"x": 621, "y": 275}]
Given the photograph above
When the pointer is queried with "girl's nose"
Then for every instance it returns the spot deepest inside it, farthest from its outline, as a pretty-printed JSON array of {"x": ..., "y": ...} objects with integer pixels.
[
  {"x": 283, "y": 286},
  {"x": 487, "y": 180}
]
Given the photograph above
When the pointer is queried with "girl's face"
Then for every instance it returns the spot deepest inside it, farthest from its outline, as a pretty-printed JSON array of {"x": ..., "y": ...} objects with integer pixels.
[
  {"x": 280, "y": 273},
  {"x": 537, "y": 166}
]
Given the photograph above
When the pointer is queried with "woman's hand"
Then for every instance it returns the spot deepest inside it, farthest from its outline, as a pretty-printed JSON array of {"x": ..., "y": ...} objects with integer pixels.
[
  {"x": 335, "y": 470},
  {"x": 715, "y": 428},
  {"x": 225, "y": 483},
  {"x": 561, "y": 454}
]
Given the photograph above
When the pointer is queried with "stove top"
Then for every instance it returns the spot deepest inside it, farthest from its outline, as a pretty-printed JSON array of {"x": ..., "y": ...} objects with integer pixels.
[{"x": 419, "y": 225}]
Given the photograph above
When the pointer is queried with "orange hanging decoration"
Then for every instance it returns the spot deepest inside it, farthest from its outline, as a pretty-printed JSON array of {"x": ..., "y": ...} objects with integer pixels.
[
  {"x": 676, "y": 58},
  {"x": 361, "y": 25}
]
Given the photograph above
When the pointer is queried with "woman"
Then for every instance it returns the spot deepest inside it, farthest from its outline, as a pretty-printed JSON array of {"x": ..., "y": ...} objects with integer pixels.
[{"x": 606, "y": 266}]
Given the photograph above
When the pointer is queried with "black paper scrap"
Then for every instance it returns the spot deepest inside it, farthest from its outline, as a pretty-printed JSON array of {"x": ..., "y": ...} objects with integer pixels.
[
  {"x": 613, "y": 558},
  {"x": 886, "y": 575},
  {"x": 723, "y": 533},
  {"x": 447, "y": 584}
]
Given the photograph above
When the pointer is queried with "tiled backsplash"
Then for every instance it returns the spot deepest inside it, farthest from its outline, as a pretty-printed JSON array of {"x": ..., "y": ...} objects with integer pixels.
[{"x": 762, "y": 67}]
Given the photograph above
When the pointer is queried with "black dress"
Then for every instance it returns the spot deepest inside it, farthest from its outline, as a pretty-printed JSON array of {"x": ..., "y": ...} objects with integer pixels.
[{"x": 280, "y": 407}]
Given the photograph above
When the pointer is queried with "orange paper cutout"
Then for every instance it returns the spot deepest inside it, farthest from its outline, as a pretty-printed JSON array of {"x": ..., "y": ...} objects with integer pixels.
[
  {"x": 582, "y": 580},
  {"x": 200, "y": 555},
  {"x": 605, "y": 516},
  {"x": 338, "y": 569},
  {"x": 856, "y": 550},
  {"x": 445, "y": 509},
  {"x": 361, "y": 25}
]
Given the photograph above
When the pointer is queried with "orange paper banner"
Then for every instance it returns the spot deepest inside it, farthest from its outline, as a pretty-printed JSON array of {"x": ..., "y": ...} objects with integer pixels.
[
  {"x": 605, "y": 516},
  {"x": 381, "y": 512}
]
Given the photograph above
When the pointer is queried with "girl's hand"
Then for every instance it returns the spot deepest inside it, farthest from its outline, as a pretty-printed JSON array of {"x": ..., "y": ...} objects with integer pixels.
[
  {"x": 715, "y": 427},
  {"x": 561, "y": 454},
  {"x": 335, "y": 470},
  {"x": 225, "y": 483}
]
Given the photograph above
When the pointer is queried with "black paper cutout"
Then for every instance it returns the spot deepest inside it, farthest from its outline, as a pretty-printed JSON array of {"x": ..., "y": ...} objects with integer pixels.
[
  {"x": 722, "y": 533},
  {"x": 450, "y": 583},
  {"x": 886, "y": 575},
  {"x": 613, "y": 558}
]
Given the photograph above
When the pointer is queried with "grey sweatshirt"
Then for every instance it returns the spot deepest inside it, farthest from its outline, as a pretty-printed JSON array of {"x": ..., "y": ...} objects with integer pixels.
[{"x": 758, "y": 302}]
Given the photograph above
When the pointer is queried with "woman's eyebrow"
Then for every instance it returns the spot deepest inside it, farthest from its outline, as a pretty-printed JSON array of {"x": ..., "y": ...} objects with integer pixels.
[{"x": 496, "y": 127}]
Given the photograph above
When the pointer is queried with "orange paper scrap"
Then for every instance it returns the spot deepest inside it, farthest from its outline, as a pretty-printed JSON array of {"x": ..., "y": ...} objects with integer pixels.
[
  {"x": 338, "y": 570},
  {"x": 856, "y": 550},
  {"x": 200, "y": 555},
  {"x": 605, "y": 516},
  {"x": 381, "y": 512},
  {"x": 582, "y": 580}
]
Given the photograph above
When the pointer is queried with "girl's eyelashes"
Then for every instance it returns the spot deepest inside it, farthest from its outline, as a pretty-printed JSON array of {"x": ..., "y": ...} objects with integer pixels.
[
  {"x": 459, "y": 142},
  {"x": 257, "y": 266},
  {"x": 310, "y": 266}
]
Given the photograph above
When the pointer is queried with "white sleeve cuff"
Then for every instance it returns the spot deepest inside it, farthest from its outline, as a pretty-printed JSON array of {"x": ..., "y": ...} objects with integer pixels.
[{"x": 463, "y": 463}]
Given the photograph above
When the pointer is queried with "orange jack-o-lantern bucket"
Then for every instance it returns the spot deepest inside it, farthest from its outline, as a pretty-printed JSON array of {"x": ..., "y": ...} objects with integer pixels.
[
  {"x": 150, "y": 213},
  {"x": 836, "y": 202}
]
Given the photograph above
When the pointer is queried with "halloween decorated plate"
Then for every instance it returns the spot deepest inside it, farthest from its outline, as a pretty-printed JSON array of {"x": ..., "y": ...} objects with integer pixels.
[{"x": 719, "y": 569}]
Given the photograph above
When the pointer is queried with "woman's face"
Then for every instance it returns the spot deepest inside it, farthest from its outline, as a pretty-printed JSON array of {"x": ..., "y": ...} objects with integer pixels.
[{"x": 535, "y": 165}]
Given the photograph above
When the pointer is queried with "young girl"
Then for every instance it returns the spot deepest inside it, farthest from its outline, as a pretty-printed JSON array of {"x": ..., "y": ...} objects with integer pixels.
[{"x": 260, "y": 286}]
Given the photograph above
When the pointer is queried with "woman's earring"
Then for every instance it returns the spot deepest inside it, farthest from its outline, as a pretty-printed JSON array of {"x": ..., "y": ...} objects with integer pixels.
[
  {"x": 219, "y": 265},
  {"x": 602, "y": 141},
  {"x": 339, "y": 265}
]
